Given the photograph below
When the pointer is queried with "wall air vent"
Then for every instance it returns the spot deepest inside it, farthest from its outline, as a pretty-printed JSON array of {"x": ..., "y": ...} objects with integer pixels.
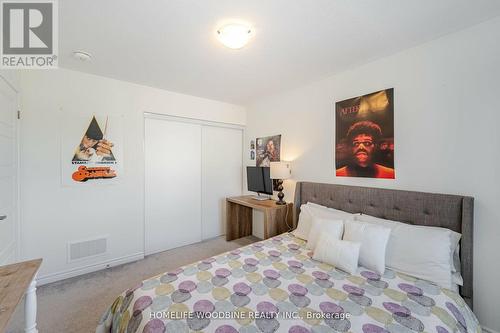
[{"x": 87, "y": 248}]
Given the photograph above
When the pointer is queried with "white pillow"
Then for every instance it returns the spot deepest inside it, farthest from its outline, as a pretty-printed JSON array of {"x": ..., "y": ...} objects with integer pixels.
[
  {"x": 457, "y": 279},
  {"x": 321, "y": 226},
  {"x": 419, "y": 251},
  {"x": 373, "y": 239},
  {"x": 304, "y": 223},
  {"x": 339, "y": 253},
  {"x": 456, "y": 266},
  {"x": 329, "y": 212},
  {"x": 454, "y": 238},
  {"x": 310, "y": 210}
]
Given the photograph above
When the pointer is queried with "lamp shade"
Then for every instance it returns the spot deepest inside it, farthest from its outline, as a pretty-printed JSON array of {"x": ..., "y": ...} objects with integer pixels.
[{"x": 281, "y": 170}]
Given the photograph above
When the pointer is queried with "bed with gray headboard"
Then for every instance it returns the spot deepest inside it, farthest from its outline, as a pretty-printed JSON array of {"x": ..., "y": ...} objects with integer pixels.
[
  {"x": 454, "y": 212},
  {"x": 281, "y": 275}
]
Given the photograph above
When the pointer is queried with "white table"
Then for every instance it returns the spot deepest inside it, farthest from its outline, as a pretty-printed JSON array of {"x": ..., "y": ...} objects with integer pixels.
[{"x": 18, "y": 280}]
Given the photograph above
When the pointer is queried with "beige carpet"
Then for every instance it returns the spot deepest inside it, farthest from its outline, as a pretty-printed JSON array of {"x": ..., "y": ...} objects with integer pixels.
[{"x": 76, "y": 304}]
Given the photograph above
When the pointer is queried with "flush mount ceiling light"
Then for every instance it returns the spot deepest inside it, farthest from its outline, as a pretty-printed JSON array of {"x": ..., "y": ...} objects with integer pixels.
[
  {"x": 82, "y": 56},
  {"x": 234, "y": 35}
]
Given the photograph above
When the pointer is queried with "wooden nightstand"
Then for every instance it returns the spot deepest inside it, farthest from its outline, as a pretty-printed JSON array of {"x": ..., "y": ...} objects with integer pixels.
[{"x": 277, "y": 218}]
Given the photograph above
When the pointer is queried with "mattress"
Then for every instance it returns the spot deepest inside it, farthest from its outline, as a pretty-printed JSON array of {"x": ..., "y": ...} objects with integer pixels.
[{"x": 276, "y": 286}]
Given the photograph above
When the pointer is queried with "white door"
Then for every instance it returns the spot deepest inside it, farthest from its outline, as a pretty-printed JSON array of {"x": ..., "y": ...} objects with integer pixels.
[
  {"x": 8, "y": 174},
  {"x": 172, "y": 184},
  {"x": 221, "y": 175}
]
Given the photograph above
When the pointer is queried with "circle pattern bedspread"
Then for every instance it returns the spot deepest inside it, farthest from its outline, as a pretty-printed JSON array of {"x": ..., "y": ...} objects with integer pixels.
[{"x": 276, "y": 286}]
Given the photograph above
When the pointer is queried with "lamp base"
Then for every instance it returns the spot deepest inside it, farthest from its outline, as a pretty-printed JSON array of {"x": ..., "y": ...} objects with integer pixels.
[{"x": 281, "y": 195}]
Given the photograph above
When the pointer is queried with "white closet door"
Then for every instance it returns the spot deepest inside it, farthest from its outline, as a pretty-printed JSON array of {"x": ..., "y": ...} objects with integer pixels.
[
  {"x": 8, "y": 174},
  {"x": 172, "y": 184},
  {"x": 221, "y": 175}
]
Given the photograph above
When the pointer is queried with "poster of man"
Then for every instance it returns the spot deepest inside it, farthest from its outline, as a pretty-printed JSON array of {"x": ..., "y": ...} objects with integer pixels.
[
  {"x": 91, "y": 148},
  {"x": 364, "y": 136},
  {"x": 94, "y": 146},
  {"x": 268, "y": 150}
]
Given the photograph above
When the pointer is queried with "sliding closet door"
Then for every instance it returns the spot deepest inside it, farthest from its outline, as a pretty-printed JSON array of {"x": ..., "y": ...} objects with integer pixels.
[
  {"x": 172, "y": 184},
  {"x": 221, "y": 175}
]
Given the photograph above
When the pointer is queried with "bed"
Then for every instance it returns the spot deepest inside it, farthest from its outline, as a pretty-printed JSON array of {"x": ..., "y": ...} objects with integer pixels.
[{"x": 275, "y": 285}]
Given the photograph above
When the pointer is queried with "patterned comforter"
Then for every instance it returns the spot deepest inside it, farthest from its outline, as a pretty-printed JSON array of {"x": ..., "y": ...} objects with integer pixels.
[{"x": 275, "y": 286}]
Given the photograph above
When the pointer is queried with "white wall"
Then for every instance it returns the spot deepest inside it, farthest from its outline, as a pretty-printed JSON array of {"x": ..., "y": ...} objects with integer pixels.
[
  {"x": 447, "y": 121},
  {"x": 53, "y": 215}
]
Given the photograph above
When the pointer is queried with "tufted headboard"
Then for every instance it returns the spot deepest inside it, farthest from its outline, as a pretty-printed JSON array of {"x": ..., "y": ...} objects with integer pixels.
[{"x": 454, "y": 212}]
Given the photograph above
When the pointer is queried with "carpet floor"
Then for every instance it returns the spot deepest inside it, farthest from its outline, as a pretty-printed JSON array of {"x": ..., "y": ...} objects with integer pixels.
[{"x": 75, "y": 305}]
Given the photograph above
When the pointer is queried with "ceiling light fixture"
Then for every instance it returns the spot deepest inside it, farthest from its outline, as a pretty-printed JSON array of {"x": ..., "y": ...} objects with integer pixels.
[
  {"x": 234, "y": 35},
  {"x": 82, "y": 56}
]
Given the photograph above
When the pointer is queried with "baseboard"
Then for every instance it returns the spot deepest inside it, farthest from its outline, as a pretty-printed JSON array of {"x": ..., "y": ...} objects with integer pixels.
[
  {"x": 49, "y": 278},
  {"x": 488, "y": 330}
]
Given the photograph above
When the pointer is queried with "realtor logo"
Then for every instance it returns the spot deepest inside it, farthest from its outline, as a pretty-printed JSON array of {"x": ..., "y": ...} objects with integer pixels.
[{"x": 29, "y": 34}]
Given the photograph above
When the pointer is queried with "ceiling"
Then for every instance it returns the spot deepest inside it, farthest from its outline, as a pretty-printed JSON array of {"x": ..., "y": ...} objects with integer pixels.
[{"x": 171, "y": 44}]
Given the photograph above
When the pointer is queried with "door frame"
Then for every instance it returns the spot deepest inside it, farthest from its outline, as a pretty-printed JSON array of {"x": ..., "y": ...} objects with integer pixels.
[
  {"x": 189, "y": 120},
  {"x": 17, "y": 136}
]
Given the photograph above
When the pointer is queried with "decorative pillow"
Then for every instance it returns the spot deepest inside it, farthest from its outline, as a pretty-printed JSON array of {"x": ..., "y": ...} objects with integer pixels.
[
  {"x": 457, "y": 279},
  {"x": 321, "y": 226},
  {"x": 304, "y": 223},
  {"x": 456, "y": 265},
  {"x": 373, "y": 241},
  {"x": 419, "y": 251},
  {"x": 454, "y": 240},
  {"x": 324, "y": 211},
  {"x": 339, "y": 253},
  {"x": 310, "y": 210}
]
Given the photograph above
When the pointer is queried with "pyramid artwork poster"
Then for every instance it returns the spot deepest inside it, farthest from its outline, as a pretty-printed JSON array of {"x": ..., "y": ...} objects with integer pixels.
[
  {"x": 94, "y": 146},
  {"x": 91, "y": 149}
]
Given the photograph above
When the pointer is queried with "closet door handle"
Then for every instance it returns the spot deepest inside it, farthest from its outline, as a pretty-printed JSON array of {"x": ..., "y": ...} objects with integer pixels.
[{"x": 3, "y": 217}]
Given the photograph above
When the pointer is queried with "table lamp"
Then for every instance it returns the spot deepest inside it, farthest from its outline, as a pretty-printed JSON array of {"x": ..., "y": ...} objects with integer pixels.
[{"x": 280, "y": 171}]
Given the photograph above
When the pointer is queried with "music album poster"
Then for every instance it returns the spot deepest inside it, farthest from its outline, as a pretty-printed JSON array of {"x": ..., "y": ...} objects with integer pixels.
[
  {"x": 92, "y": 149},
  {"x": 364, "y": 136},
  {"x": 268, "y": 150}
]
